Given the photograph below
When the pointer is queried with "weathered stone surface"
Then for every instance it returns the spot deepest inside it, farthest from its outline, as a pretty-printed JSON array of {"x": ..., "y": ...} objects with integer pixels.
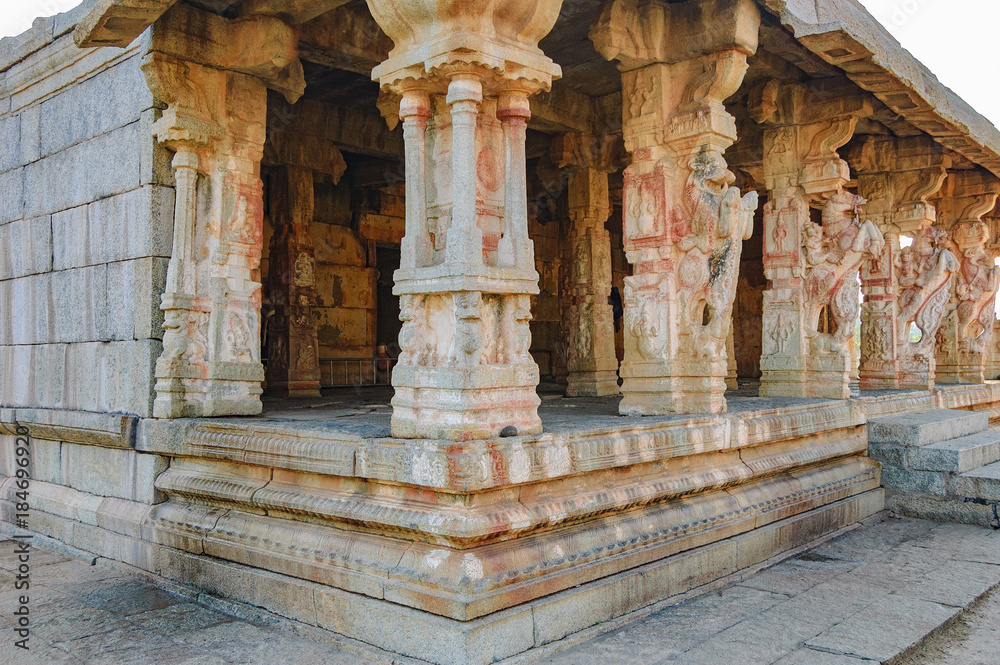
[
  {"x": 82, "y": 111},
  {"x": 916, "y": 482},
  {"x": 30, "y": 323},
  {"x": 12, "y": 201},
  {"x": 888, "y": 627},
  {"x": 957, "y": 455},
  {"x": 88, "y": 428},
  {"x": 124, "y": 474},
  {"x": 29, "y": 247},
  {"x": 983, "y": 483},
  {"x": 99, "y": 167},
  {"x": 10, "y": 138},
  {"x": 132, "y": 225},
  {"x": 940, "y": 509},
  {"x": 80, "y": 296},
  {"x": 31, "y": 133},
  {"x": 105, "y": 377},
  {"x": 920, "y": 429}
]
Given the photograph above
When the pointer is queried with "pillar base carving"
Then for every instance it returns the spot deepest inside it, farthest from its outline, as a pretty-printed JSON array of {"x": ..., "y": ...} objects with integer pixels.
[
  {"x": 465, "y": 372},
  {"x": 657, "y": 389}
]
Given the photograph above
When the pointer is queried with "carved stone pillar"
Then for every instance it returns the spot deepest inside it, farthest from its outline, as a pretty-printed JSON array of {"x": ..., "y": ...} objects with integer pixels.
[
  {"x": 467, "y": 267},
  {"x": 591, "y": 359},
  {"x": 215, "y": 122},
  {"x": 293, "y": 358},
  {"x": 732, "y": 373},
  {"x": 684, "y": 222},
  {"x": 909, "y": 285},
  {"x": 964, "y": 339},
  {"x": 811, "y": 304},
  {"x": 993, "y": 359}
]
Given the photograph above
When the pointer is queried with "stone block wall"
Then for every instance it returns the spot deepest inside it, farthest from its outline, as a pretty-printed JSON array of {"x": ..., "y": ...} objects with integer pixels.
[{"x": 86, "y": 210}]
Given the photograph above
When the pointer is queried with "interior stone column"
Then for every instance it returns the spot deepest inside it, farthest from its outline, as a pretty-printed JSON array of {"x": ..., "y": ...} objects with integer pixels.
[
  {"x": 811, "y": 303},
  {"x": 293, "y": 354},
  {"x": 902, "y": 285},
  {"x": 964, "y": 339},
  {"x": 591, "y": 359},
  {"x": 684, "y": 221},
  {"x": 213, "y": 75},
  {"x": 293, "y": 358},
  {"x": 467, "y": 267}
]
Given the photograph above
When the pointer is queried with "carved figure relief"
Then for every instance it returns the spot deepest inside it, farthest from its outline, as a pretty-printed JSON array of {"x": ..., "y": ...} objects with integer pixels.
[
  {"x": 780, "y": 332},
  {"x": 976, "y": 286},
  {"x": 238, "y": 338},
  {"x": 834, "y": 253},
  {"x": 468, "y": 329},
  {"x": 303, "y": 270},
  {"x": 924, "y": 273}
]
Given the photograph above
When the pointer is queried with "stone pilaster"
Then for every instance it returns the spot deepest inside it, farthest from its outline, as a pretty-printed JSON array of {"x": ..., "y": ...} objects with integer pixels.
[
  {"x": 684, "y": 222},
  {"x": 811, "y": 304},
  {"x": 213, "y": 77},
  {"x": 591, "y": 360},
  {"x": 467, "y": 267},
  {"x": 902, "y": 285},
  {"x": 964, "y": 339}
]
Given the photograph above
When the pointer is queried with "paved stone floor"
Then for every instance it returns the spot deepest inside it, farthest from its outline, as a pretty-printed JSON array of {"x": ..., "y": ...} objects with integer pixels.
[
  {"x": 365, "y": 411},
  {"x": 865, "y": 596}
]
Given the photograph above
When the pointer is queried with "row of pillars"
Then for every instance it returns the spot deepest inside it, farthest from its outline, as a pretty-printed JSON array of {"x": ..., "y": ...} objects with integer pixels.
[{"x": 463, "y": 78}]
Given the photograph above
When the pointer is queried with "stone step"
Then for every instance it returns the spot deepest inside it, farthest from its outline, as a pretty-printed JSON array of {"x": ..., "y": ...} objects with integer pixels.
[
  {"x": 958, "y": 455},
  {"x": 927, "y": 427},
  {"x": 981, "y": 483}
]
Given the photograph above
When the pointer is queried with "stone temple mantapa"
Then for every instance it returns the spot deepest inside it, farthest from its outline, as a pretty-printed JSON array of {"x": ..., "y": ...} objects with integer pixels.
[{"x": 457, "y": 328}]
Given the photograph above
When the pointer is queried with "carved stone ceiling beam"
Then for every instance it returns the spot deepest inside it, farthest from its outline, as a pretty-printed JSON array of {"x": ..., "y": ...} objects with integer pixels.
[
  {"x": 345, "y": 38},
  {"x": 295, "y": 12},
  {"x": 349, "y": 129}
]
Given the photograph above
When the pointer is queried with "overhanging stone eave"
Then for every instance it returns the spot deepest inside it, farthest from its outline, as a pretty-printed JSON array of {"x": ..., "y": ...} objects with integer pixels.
[
  {"x": 118, "y": 22},
  {"x": 860, "y": 46}
]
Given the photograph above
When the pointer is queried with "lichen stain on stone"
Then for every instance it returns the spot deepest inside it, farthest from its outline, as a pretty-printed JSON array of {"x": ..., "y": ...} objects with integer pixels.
[
  {"x": 338, "y": 291},
  {"x": 472, "y": 567},
  {"x": 327, "y": 334}
]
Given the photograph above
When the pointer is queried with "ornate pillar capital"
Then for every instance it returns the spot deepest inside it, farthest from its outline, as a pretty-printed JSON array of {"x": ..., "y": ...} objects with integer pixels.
[{"x": 438, "y": 40}]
